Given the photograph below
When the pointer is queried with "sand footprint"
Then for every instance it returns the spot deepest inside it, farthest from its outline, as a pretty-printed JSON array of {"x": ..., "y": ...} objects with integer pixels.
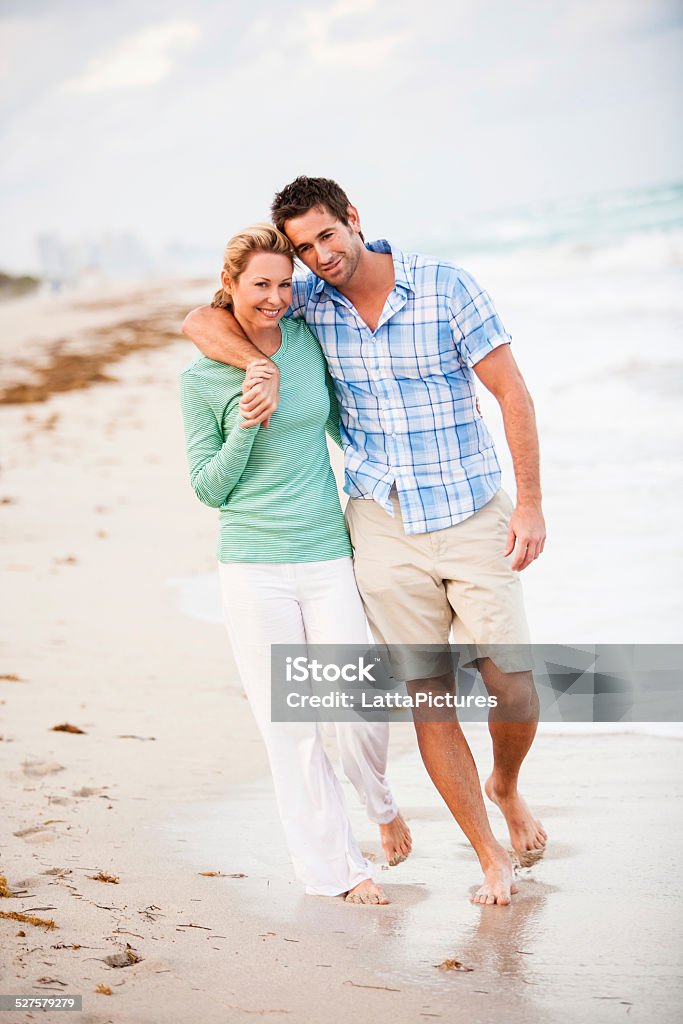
[
  {"x": 40, "y": 768},
  {"x": 37, "y": 834}
]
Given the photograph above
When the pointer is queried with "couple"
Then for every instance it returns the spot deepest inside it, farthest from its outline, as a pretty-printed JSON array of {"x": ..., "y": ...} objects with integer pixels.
[{"x": 431, "y": 530}]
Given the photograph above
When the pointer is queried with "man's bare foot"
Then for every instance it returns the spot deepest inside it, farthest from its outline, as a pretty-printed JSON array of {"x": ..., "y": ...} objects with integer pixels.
[
  {"x": 366, "y": 892},
  {"x": 498, "y": 886},
  {"x": 527, "y": 835},
  {"x": 396, "y": 840}
]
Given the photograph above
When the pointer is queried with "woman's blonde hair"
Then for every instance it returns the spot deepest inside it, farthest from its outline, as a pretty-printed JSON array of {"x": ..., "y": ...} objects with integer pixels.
[{"x": 241, "y": 247}]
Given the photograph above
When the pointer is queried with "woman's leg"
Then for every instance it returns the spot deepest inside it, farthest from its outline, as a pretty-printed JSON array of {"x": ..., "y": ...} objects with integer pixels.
[
  {"x": 261, "y": 607},
  {"x": 333, "y": 614}
]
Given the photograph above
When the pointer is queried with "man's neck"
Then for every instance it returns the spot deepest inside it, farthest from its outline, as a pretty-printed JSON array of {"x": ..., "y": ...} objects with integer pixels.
[{"x": 373, "y": 279}]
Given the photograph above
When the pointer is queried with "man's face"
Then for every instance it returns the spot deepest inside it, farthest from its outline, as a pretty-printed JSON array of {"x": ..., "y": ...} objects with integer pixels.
[{"x": 331, "y": 249}]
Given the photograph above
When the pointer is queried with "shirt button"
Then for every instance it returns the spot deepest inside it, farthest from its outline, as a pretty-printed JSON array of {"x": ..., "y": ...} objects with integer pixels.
[{"x": 393, "y": 435}]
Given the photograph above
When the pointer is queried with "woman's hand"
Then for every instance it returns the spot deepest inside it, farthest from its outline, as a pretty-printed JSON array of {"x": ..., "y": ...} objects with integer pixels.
[{"x": 260, "y": 393}]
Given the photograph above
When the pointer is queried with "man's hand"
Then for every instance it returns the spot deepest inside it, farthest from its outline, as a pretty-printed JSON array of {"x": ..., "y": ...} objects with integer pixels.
[
  {"x": 499, "y": 372},
  {"x": 526, "y": 535},
  {"x": 260, "y": 392}
]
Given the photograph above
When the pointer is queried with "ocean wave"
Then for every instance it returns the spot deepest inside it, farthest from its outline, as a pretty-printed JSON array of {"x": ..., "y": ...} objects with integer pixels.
[{"x": 628, "y": 229}]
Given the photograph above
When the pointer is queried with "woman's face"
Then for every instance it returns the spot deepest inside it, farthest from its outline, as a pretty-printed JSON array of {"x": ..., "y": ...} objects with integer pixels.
[{"x": 263, "y": 291}]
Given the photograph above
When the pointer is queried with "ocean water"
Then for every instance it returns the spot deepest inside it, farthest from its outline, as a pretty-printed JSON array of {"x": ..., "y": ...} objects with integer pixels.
[
  {"x": 592, "y": 294},
  {"x": 596, "y": 222},
  {"x": 591, "y": 291}
]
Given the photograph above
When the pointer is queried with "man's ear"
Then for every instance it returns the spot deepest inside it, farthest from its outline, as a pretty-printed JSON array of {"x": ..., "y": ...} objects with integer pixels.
[{"x": 354, "y": 219}]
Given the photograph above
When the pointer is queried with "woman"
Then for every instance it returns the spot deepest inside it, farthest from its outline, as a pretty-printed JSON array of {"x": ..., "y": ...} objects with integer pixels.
[{"x": 285, "y": 560}]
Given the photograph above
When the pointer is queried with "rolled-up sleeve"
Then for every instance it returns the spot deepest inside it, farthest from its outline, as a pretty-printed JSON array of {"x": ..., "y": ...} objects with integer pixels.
[{"x": 477, "y": 329}]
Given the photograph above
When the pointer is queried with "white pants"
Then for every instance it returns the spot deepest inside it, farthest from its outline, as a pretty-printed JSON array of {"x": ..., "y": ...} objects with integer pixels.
[{"x": 308, "y": 603}]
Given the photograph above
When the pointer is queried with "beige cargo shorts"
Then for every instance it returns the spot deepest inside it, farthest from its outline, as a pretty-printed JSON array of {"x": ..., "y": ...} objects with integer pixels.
[{"x": 416, "y": 588}]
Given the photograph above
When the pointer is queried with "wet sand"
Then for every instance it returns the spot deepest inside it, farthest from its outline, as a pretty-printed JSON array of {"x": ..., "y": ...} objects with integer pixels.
[
  {"x": 168, "y": 778},
  {"x": 588, "y": 926}
]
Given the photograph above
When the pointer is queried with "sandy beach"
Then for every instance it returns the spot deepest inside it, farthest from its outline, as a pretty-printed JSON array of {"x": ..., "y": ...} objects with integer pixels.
[{"x": 166, "y": 791}]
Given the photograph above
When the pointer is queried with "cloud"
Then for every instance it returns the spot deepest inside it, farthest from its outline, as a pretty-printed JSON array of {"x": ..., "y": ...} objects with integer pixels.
[
  {"x": 320, "y": 32},
  {"x": 604, "y": 20},
  {"x": 144, "y": 58},
  {"x": 342, "y": 36}
]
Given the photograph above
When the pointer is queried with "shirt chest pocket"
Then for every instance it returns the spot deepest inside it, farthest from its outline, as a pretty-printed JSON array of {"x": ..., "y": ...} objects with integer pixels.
[{"x": 428, "y": 350}]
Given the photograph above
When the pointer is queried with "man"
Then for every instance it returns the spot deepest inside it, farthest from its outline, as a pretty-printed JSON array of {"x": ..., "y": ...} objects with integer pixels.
[{"x": 432, "y": 531}]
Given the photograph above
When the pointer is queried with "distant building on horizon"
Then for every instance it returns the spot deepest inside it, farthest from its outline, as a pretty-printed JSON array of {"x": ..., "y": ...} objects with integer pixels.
[
  {"x": 109, "y": 256},
  {"x": 119, "y": 257}
]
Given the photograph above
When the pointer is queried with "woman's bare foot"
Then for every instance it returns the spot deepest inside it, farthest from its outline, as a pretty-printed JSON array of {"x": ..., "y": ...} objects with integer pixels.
[
  {"x": 527, "y": 835},
  {"x": 366, "y": 892},
  {"x": 498, "y": 886},
  {"x": 396, "y": 840}
]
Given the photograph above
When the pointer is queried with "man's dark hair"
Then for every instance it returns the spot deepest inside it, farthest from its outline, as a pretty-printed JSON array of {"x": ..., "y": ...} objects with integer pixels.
[{"x": 303, "y": 194}]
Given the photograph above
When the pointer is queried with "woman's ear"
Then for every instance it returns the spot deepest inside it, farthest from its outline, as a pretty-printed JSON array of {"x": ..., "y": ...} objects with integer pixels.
[{"x": 226, "y": 282}]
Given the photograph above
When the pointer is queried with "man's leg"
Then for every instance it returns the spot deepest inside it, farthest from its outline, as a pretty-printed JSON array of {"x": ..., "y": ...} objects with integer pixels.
[
  {"x": 486, "y": 597},
  {"x": 448, "y": 759},
  {"x": 512, "y": 725},
  {"x": 407, "y": 604}
]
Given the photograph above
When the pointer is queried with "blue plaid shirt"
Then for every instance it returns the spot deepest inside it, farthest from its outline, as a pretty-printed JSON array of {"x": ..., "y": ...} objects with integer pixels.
[{"x": 407, "y": 394}]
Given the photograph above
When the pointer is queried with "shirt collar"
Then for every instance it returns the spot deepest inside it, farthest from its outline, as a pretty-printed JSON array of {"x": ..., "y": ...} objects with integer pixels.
[{"x": 402, "y": 273}]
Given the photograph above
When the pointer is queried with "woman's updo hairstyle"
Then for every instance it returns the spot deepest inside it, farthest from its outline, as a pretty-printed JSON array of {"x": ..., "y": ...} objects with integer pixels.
[{"x": 240, "y": 248}]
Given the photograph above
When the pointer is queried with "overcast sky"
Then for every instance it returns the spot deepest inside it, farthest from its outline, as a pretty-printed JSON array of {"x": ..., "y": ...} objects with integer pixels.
[{"x": 178, "y": 121}]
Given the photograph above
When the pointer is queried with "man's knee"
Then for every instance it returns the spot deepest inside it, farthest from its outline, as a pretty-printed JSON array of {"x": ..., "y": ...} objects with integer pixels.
[{"x": 511, "y": 689}]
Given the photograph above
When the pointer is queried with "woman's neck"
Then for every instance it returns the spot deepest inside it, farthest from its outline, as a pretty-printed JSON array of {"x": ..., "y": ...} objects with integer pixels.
[{"x": 266, "y": 339}]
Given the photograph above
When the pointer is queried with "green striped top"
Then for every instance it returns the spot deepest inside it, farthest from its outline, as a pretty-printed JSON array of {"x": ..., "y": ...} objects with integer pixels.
[{"x": 274, "y": 486}]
